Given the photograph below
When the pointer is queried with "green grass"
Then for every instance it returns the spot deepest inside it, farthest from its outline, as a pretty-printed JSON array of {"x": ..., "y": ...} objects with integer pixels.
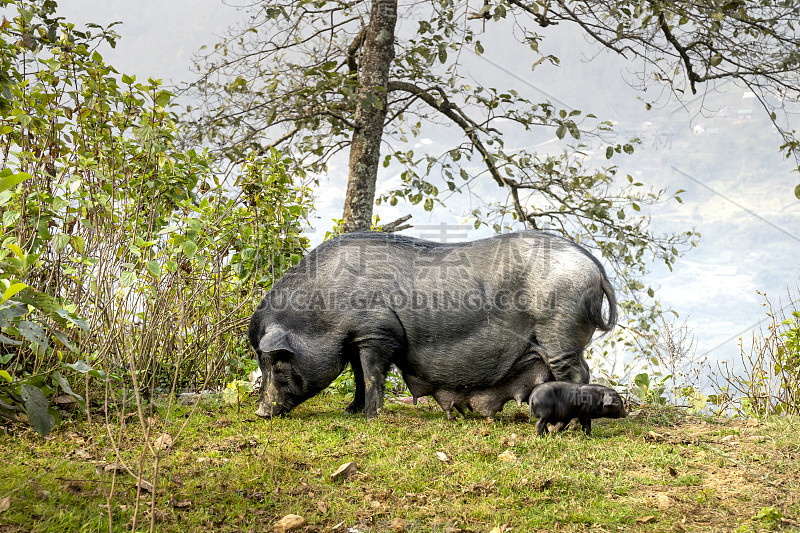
[{"x": 231, "y": 471}]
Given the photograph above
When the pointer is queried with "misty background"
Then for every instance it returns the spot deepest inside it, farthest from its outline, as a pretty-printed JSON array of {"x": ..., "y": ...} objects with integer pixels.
[{"x": 718, "y": 146}]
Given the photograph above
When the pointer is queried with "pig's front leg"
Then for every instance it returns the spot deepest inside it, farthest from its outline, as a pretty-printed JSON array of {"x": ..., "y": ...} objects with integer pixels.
[
  {"x": 375, "y": 364},
  {"x": 357, "y": 405}
]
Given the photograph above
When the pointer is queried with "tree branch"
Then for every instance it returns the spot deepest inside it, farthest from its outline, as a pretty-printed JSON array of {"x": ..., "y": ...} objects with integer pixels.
[
  {"x": 687, "y": 62},
  {"x": 352, "y": 50},
  {"x": 454, "y": 113}
]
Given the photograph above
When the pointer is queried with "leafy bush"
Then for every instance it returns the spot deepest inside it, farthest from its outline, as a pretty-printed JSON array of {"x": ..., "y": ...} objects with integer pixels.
[
  {"x": 119, "y": 250},
  {"x": 767, "y": 378}
]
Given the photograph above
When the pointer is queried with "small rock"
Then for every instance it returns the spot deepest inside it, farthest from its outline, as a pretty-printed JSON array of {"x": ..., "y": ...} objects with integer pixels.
[
  {"x": 344, "y": 471},
  {"x": 752, "y": 422},
  {"x": 398, "y": 524},
  {"x": 636, "y": 414},
  {"x": 646, "y": 519},
  {"x": 442, "y": 457},
  {"x": 663, "y": 501},
  {"x": 290, "y": 522},
  {"x": 507, "y": 456}
]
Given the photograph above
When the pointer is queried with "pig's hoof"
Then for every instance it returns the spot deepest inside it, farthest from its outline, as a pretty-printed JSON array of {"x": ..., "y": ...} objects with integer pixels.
[{"x": 354, "y": 408}]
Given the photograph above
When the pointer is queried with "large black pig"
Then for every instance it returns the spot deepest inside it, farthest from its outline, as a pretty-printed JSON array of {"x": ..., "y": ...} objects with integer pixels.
[
  {"x": 558, "y": 403},
  {"x": 457, "y": 319}
]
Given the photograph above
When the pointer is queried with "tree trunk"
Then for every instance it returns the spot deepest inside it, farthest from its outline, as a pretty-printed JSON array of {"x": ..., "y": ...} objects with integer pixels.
[{"x": 376, "y": 58}]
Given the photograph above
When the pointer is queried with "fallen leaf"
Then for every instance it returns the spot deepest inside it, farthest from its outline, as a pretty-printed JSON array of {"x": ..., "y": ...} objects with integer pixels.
[
  {"x": 164, "y": 442},
  {"x": 655, "y": 436},
  {"x": 646, "y": 519},
  {"x": 672, "y": 471},
  {"x": 322, "y": 507},
  {"x": 5, "y": 504},
  {"x": 289, "y": 522},
  {"x": 145, "y": 485},
  {"x": 442, "y": 457},
  {"x": 752, "y": 422},
  {"x": 180, "y": 504},
  {"x": 344, "y": 471},
  {"x": 80, "y": 453},
  {"x": 507, "y": 456},
  {"x": 64, "y": 400},
  {"x": 113, "y": 467},
  {"x": 398, "y": 524}
]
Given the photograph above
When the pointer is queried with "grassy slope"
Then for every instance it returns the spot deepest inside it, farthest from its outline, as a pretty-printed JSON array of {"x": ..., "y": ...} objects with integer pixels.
[{"x": 229, "y": 471}]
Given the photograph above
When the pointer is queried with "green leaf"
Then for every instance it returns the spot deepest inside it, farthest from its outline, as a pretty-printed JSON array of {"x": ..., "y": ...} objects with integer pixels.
[
  {"x": 12, "y": 290},
  {"x": 27, "y": 15},
  {"x": 127, "y": 278},
  {"x": 64, "y": 384},
  {"x": 78, "y": 244},
  {"x": 60, "y": 242},
  {"x": 797, "y": 192},
  {"x": 65, "y": 341},
  {"x": 81, "y": 323},
  {"x": 37, "y": 409},
  {"x": 636, "y": 207},
  {"x": 34, "y": 333},
  {"x": 168, "y": 229},
  {"x": 13, "y": 179},
  {"x": 6, "y": 376},
  {"x": 154, "y": 268},
  {"x": 478, "y": 48},
  {"x": 8, "y": 340},
  {"x": 609, "y": 152},
  {"x": 163, "y": 98},
  {"x": 189, "y": 248},
  {"x": 561, "y": 131},
  {"x": 80, "y": 366}
]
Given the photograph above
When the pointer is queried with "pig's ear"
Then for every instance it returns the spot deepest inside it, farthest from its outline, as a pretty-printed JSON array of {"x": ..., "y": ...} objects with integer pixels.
[
  {"x": 275, "y": 345},
  {"x": 608, "y": 400}
]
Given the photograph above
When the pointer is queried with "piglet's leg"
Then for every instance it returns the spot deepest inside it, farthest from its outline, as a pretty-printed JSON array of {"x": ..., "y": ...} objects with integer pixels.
[
  {"x": 541, "y": 427},
  {"x": 586, "y": 423}
]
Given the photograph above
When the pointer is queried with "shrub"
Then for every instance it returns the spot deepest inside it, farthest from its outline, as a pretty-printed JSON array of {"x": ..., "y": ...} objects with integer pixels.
[{"x": 121, "y": 255}]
